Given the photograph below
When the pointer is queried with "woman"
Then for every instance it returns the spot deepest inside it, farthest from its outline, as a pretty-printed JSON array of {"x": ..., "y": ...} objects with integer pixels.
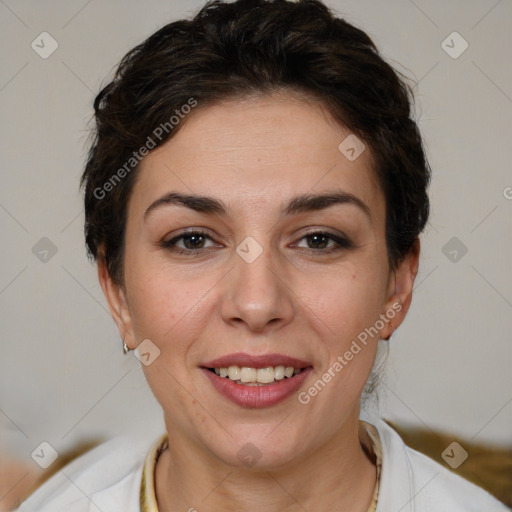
[{"x": 253, "y": 197}]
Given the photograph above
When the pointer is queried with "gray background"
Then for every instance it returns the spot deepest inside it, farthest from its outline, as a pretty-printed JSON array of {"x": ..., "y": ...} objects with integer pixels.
[{"x": 63, "y": 376}]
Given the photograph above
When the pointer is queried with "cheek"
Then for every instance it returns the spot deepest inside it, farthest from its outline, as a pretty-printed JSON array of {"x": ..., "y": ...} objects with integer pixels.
[
  {"x": 350, "y": 308},
  {"x": 156, "y": 305},
  {"x": 169, "y": 308},
  {"x": 348, "y": 300}
]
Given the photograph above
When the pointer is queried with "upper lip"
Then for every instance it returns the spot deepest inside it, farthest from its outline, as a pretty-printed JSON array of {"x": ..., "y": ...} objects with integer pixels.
[{"x": 253, "y": 361}]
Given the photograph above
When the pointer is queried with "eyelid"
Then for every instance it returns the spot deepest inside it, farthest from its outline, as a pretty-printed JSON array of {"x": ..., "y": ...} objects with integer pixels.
[
  {"x": 188, "y": 231},
  {"x": 313, "y": 230},
  {"x": 340, "y": 239}
]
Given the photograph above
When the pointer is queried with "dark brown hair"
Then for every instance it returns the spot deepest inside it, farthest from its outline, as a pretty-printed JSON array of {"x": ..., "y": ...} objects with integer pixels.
[{"x": 247, "y": 47}]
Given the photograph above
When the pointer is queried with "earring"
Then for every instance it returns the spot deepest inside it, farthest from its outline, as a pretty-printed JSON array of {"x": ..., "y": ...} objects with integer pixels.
[{"x": 126, "y": 349}]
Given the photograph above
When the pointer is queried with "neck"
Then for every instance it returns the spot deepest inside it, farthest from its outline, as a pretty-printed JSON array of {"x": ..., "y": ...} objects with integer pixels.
[{"x": 338, "y": 476}]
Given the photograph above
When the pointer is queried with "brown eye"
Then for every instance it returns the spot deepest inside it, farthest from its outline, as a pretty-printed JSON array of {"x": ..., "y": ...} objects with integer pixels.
[
  {"x": 321, "y": 241},
  {"x": 195, "y": 241},
  {"x": 318, "y": 241},
  {"x": 192, "y": 242}
]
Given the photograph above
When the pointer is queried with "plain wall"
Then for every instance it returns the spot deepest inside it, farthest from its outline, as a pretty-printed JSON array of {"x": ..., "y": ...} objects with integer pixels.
[{"x": 63, "y": 375}]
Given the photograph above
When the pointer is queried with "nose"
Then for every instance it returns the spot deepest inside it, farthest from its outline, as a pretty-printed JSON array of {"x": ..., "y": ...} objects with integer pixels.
[{"x": 257, "y": 295}]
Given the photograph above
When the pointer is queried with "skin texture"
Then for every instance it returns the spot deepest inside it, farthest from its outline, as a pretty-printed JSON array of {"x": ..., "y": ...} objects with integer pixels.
[{"x": 256, "y": 154}]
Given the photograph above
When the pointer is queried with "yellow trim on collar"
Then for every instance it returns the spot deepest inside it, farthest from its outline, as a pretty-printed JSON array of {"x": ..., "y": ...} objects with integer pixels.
[{"x": 148, "y": 501}]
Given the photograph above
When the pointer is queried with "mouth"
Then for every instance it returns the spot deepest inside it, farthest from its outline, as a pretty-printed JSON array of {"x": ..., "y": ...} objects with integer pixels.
[
  {"x": 256, "y": 381},
  {"x": 248, "y": 376}
]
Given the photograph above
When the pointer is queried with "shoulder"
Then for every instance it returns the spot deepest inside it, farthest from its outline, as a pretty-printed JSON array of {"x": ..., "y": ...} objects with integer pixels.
[
  {"x": 105, "y": 478},
  {"x": 413, "y": 482}
]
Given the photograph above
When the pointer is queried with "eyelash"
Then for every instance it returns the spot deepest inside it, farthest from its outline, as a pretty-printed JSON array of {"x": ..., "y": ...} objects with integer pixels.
[{"x": 343, "y": 243}]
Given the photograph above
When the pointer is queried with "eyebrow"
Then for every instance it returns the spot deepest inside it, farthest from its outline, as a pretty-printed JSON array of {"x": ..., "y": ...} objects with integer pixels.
[{"x": 299, "y": 204}]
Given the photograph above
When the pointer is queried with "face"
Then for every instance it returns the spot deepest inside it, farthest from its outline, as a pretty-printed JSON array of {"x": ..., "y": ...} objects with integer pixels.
[{"x": 253, "y": 271}]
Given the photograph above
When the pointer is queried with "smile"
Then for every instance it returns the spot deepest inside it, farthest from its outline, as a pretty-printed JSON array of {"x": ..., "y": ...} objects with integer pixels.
[
  {"x": 256, "y": 376},
  {"x": 256, "y": 381}
]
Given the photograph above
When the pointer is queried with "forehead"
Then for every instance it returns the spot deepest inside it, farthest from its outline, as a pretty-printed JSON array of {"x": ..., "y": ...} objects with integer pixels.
[{"x": 257, "y": 151}]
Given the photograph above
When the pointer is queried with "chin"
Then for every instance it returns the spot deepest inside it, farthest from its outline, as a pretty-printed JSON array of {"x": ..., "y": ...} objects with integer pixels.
[{"x": 258, "y": 450}]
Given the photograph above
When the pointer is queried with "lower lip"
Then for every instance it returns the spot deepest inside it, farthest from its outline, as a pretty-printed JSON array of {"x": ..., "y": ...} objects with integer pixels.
[{"x": 257, "y": 396}]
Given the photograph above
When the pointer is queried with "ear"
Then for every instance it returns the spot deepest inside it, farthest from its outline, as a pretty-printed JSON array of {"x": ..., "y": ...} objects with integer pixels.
[
  {"x": 117, "y": 303},
  {"x": 399, "y": 295}
]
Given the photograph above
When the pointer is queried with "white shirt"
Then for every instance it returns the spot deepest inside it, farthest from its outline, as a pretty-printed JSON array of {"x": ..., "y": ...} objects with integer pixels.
[{"x": 108, "y": 479}]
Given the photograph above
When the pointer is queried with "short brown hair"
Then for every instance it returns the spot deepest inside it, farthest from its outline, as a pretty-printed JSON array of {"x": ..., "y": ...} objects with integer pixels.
[{"x": 231, "y": 50}]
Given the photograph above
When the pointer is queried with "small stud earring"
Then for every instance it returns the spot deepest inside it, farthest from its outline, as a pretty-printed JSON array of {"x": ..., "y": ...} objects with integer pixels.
[{"x": 126, "y": 349}]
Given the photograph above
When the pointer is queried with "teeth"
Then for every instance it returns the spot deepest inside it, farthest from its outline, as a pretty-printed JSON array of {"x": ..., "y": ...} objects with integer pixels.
[
  {"x": 247, "y": 374},
  {"x": 279, "y": 372},
  {"x": 250, "y": 376},
  {"x": 265, "y": 375},
  {"x": 234, "y": 373}
]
